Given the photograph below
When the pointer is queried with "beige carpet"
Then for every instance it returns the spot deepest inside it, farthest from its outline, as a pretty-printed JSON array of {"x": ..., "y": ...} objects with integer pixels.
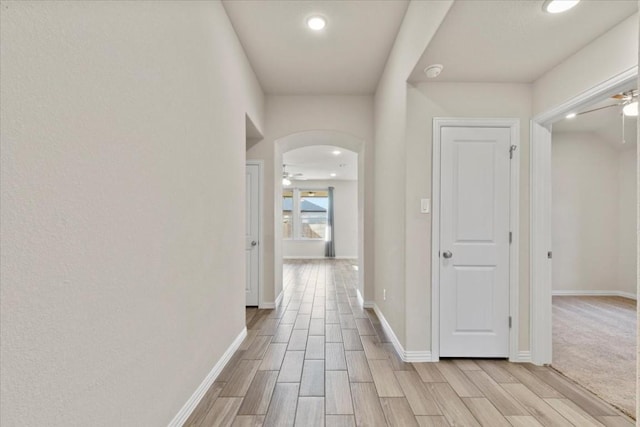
[{"x": 594, "y": 343}]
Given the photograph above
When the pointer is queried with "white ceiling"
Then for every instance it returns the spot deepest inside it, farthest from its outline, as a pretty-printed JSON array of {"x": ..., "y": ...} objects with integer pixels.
[
  {"x": 606, "y": 123},
  {"x": 347, "y": 57},
  {"x": 514, "y": 41},
  {"x": 317, "y": 162}
]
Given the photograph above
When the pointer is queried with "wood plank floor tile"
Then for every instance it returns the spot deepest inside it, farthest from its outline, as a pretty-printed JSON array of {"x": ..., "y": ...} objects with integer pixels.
[
  {"x": 358, "y": 367},
  {"x": 495, "y": 371},
  {"x": 364, "y": 327},
  {"x": 615, "y": 421},
  {"x": 231, "y": 366},
  {"x": 315, "y": 347},
  {"x": 282, "y": 410},
  {"x": 485, "y": 412},
  {"x": 302, "y": 321},
  {"x": 312, "y": 378},
  {"x": 536, "y": 406},
  {"x": 298, "y": 340},
  {"x": 523, "y": 421},
  {"x": 338, "y": 393},
  {"x": 573, "y": 413},
  {"x": 310, "y": 412},
  {"x": 366, "y": 405},
  {"x": 258, "y": 347},
  {"x": 458, "y": 380},
  {"x": 429, "y": 373},
  {"x": 273, "y": 357},
  {"x": 289, "y": 317},
  {"x": 532, "y": 381},
  {"x": 223, "y": 412},
  {"x": 241, "y": 379},
  {"x": 256, "y": 401},
  {"x": 418, "y": 395},
  {"x": 268, "y": 327},
  {"x": 340, "y": 421},
  {"x": 333, "y": 333},
  {"x": 587, "y": 401},
  {"x": 466, "y": 365},
  {"x": 316, "y": 327},
  {"x": 502, "y": 400},
  {"x": 432, "y": 421},
  {"x": 397, "y": 364},
  {"x": 398, "y": 412},
  {"x": 283, "y": 333},
  {"x": 347, "y": 321},
  {"x": 246, "y": 343},
  {"x": 334, "y": 357},
  {"x": 454, "y": 410},
  {"x": 248, "y": 421},
  {"x": 373, "y": 349},
  {"x": 205, "y": 405},
  {"x": 384, "y": 379},
  {"x": 351, "y": 340},
  {"x": 331, "y": 316},
  {"x": 291, "y": 369}
]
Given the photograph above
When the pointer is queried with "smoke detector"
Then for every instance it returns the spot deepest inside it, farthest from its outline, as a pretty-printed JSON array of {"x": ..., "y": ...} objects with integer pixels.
[{"x": 433, "y": 71}]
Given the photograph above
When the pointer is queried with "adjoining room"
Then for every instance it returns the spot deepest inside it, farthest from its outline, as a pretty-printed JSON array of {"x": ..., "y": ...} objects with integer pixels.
[{"x": 594, "y": 247}]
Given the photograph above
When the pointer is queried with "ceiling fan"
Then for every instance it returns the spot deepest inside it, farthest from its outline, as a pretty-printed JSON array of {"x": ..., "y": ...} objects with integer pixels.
[
  {"x": 627, "y": 100},
  {"x": 287, "y": 177}
]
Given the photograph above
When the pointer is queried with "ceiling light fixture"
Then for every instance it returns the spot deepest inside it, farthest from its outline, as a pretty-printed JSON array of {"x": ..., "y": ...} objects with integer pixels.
[
  {"x": 316, "y": 23},
  {"x": 631, "y": 109},
  {"x": 286, "y": 181},
  {"x": 332, "y": 174},
  {"x": 571, "y": 115},
  {"x": 558, "y": 6},
  {"x": 336, "y": 152}
]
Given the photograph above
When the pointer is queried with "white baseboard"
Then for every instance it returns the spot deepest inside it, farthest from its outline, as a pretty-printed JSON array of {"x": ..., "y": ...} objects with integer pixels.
[
  {"x": 406, "y": 356},
  {"x": 524, "y": 356},
  {"x": 368, "y": 304},
  {"x": 319, "y": 257},
  {"x": 184, "y": 413},
  {"x": 596, "y": 293},
  {"x": 360, "y": 299},
  {"x": 267, "y": 305},
  {"x": 279, "y": 299}
]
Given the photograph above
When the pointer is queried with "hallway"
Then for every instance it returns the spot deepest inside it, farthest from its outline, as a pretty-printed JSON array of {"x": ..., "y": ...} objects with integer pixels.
[{"x": 321, "y": 360}]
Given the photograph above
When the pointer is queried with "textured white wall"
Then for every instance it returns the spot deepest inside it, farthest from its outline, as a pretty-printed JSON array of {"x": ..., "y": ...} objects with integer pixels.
[
  {"x": 418, "y": 27},
  {"x": 122, "y": 179},
  {"x": 585, "y": 212},
  {"x": 345, "y": 214},
  {"x": 627, "y": 226},
  {"x": 610, "y": 54}
]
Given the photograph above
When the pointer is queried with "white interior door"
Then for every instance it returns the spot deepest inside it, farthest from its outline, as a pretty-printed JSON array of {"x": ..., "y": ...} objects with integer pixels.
[
  {"x": 252, "y": 222},
  {"x": 474, "y": 242}
]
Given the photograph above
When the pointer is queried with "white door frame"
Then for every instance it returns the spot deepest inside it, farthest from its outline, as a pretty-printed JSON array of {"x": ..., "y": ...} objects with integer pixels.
[
  {"x": 514, "y": 197},
  {"x": 260, "y": 164},
  {"x": 540, "y": 191}
]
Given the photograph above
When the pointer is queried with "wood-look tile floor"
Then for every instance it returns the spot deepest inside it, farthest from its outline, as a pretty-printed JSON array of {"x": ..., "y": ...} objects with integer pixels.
[{"x": 321, "y": 360}]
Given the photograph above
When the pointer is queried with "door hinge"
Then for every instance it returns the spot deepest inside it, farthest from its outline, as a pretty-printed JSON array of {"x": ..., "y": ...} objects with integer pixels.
[
  {"x": 510, "y": 237},
  {"x": 549, "y": 254},
  {"x": 511, "y": 150},
  {"x": 509, "y": 322}
]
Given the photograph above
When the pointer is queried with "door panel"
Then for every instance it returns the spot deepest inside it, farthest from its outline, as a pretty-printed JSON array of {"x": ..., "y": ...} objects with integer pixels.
[
  {"x": 252, "y": 223},
  {"x": 474, "y": 229}
]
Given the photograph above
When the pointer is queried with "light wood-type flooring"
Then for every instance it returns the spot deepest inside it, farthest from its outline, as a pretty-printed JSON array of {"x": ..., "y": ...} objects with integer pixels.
[{"x": 321, "y": 360}]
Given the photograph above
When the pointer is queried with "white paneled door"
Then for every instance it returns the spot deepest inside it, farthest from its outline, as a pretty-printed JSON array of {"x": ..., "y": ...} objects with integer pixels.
[
  {"x": 252, "y": 221},
  {"x": 474, "y": 241}
]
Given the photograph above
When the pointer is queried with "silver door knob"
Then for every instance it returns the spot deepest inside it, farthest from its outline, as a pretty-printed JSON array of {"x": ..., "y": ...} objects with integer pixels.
[
  {"x": 447, "y": 254},
  {"x": 254, "y": 243}
]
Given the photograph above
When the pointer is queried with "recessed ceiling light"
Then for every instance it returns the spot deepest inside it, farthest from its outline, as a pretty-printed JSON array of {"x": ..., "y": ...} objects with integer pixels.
[
  {"x": 571, "y": 115},
  {"x": 316, "y": 23},
  {"x": 332, "y": 174},
  {"x": 336, "y": 152},
  {"x": 558, "y": 6},
  {"x": 631, "y": 109}
]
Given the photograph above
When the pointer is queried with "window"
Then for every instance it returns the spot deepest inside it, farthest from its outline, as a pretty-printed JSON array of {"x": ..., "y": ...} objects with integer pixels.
[{"x": 304, "y": 213}]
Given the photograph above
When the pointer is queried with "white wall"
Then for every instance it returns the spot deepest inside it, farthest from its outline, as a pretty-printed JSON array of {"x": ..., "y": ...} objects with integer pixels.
[
  {"x": 426, "y": 101},
  {"x": 345, "y": 214},
  {"x": 607, "y": 56},
  {"x": 628, "y": 226},
  {"x": 585, "y": 212},
  {"x": 289, "y": 115},
  {"x": 420, "y": 23},
  {"x": 123, "y": 153}
]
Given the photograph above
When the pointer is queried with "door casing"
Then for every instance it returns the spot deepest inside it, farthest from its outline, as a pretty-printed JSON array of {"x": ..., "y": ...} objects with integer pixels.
[{"x": 514, "y": 125}]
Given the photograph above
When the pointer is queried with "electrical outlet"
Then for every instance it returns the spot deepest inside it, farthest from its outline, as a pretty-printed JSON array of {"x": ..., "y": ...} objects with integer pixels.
[{"x": 384, "y": 294}]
